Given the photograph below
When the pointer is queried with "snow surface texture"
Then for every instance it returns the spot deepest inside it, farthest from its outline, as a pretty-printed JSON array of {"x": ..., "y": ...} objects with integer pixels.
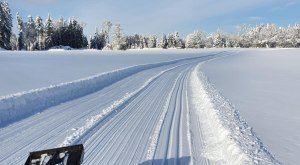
[
  {"x": 228, "y": 138},
  {"x": 155, "y": 136},
  {"x": 60, "y": 48},
  {"x": 134, "y": 107},
  {"x": 160, "y": 113},
  {"x": 72, "y": 139},
  {"x": 20, "y": 105},
  {"x": 23, "y": 71},
  {"x": 263, "y": 84}
]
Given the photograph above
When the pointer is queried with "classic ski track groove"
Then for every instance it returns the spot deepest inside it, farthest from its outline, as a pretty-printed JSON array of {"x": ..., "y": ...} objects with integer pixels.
[{"x": 126, "y": 129}]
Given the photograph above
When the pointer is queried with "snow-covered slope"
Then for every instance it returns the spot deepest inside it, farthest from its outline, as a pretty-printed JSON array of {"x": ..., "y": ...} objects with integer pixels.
[{"x": 264, "y": 87}]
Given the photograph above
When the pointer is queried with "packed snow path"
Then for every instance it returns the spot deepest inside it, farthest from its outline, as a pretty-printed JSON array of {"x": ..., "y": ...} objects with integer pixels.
[{"x": 142, "y": 119}]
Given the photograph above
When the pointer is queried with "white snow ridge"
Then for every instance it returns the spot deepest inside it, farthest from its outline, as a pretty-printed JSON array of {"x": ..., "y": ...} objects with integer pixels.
[
  {"x": 227, "y": 137},
  {"x": 20, "y": 105}
]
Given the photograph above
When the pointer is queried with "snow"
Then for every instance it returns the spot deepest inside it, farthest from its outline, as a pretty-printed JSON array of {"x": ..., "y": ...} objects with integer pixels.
[
  {"x": 216, "y": 106},
  {"x": 132, "y": 107},
  {"x": 60, "y": 48},
  {"x": 229, "y": 140},
  {"x": 263, "y": 85},
  {"x": 155, "y": 136},
  {"x": 105, "y": 112},
  {"x": 20, "y": 105},
  {"x": 23, "y": 71}
]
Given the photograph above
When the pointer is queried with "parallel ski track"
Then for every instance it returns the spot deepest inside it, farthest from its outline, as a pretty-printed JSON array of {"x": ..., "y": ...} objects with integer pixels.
[
  {"x": 123, "y": 136},
  {"x": 123, "y": 139}
]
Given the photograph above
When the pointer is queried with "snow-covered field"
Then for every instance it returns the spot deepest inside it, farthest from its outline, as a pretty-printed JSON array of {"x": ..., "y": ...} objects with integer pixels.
[
  {"x": 152, "y": 106},
  {"x": 264, "y": 86},
  {"x": 22, "y": 71}
]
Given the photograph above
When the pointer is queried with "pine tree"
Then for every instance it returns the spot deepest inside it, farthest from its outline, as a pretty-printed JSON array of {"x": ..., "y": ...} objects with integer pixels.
[
  {"x": 178, "y": 42},
  {"x": 49, "y": 32},
  {"x": 152, "y": 41},
  {"x": 164, "y": 42},
  {"x": 20, "y": 39},
  {"x": 141, "y": 42},
  {"x": 31, "y": 34},
  {"x": 5, "y": 25},
  {"x": 13, "y": 42},
  {"x": 98, "y": 41},
  {"x": 170, "y": 41},
  {"x": 40, "y": 33}
]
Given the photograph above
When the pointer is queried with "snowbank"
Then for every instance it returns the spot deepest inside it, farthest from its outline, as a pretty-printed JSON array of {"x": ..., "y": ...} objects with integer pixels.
[
  {"x": 17, "y": 106},
  {"x": 228, "y": 138},
  {"x": 26, "y": 70}
]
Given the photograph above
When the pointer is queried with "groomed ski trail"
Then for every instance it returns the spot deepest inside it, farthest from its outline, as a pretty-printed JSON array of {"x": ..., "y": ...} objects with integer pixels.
[
  {"x": 149, "y": 117},
  {"x": 121, "y": 135}
]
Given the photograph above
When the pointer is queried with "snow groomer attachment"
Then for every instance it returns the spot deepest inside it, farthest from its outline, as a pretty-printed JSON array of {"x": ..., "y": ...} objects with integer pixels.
[{"x": 71, "y": 155}]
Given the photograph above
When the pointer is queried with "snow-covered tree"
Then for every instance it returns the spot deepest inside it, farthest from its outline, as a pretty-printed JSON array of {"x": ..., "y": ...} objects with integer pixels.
[
  {"x": 195, "y": 40},
  {"x": 178, "y": 42},
  {"x": 163, "y": 42},
  {"x": 218, "y": 39},
  {"x": 171, "y": 41},
  {"x": 295, "y": 35},
  {"x": 98, "y": 41},
  {"x": 31, "y": 34},
  {"x": 152, "y": 41},
  {"x": 118, "y": 38},
  {"x": 21, "y": 29},
  {"x": 49, "y": 31},
  {"x": 106, "y": 27},
  {"x": 13, "y": 42},
  {"x": 40, "y": 33},
  {"x": 145, "y": 42},
  {"x": 67, "y": 33},
  {"x": 5, "y": 25}
]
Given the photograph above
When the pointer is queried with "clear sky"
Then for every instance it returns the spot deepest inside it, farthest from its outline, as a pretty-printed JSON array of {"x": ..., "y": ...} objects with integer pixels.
[{"x": 158, "y": 16}]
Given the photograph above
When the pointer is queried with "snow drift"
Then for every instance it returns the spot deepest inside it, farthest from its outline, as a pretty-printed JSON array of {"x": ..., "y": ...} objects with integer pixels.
[
  {"x": 20, "y": 105},
  {"x": 228, "y": 138}
]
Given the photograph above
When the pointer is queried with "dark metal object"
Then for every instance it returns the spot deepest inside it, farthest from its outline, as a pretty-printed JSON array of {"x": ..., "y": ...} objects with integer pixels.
[{"x": 71, "y": 155}]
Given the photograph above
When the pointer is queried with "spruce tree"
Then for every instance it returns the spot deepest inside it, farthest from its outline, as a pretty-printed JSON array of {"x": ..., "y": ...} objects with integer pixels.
[
  {"x": 31, "y": 34},
  {"x": 164, "y": 42},
  {"x": 40, "y": 33},
  {"x": 49, "y": 32},
  {"x": 152, "y": 41},
  {"x": 5, "y": 25},
  {"x": 20, "y": 39}
]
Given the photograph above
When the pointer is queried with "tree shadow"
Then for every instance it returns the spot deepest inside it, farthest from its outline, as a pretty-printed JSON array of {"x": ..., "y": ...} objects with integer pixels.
[{"x": 182, "y": 161}]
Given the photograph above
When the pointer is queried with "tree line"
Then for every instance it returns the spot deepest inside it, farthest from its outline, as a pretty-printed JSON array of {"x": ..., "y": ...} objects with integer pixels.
[{"x": 36, "y": 34}]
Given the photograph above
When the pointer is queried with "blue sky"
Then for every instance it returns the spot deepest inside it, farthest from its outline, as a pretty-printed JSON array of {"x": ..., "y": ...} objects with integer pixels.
[{"x": 158, "y": 16}]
